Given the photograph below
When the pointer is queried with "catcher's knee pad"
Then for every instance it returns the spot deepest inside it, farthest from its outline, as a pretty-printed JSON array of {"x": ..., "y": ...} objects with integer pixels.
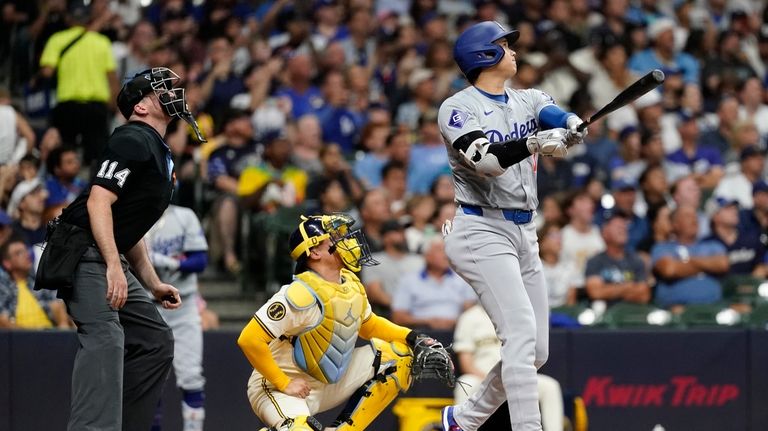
[
  {"x": 299, "y": 423},
  {"x": 374, "y": 396}
]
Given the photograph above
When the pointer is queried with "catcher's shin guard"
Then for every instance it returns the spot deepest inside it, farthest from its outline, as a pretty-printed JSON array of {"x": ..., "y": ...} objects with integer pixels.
[
  {"x": 376, "y": 394},
  {"x": 299, "y": 423}
]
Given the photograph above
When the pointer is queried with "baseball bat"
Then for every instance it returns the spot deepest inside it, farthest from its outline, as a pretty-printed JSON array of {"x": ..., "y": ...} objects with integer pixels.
[{"x": 643, "y": 85}]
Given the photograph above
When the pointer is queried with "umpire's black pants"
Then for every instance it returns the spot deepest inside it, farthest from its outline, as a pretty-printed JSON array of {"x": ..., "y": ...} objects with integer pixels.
[{"x": 124, "y": 356}]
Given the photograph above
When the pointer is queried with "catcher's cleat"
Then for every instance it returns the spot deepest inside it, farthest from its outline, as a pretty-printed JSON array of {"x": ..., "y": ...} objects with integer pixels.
[{"x": 449, "y": 424}]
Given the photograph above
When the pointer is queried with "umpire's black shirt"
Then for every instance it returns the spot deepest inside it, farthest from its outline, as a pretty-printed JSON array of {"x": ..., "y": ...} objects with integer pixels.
[{"x": 137, "y": 166}]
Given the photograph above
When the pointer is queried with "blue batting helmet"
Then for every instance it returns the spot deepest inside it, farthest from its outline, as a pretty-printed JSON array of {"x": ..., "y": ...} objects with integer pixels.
[{"x": 474, "y": 49}]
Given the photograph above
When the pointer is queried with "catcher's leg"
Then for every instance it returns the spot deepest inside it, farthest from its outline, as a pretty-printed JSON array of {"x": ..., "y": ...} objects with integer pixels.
[{"x": 393, "y": 377}]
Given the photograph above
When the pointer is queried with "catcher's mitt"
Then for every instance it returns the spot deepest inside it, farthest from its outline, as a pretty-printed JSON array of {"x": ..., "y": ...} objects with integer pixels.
[{"x": 432, "y": 361}]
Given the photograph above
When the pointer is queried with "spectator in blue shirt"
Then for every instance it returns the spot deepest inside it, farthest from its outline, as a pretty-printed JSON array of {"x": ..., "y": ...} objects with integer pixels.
[
  {"x": 305, "y": 98},
  {"x": 704, "y": 163},
  {"x": 663, "y": 54},
  {"x": 340, "y": 124},
  {"x": 62, "y": 182},
  {"x": 220, "y": 83},
  {"x": 624, "y": 192},
  {"x": 433, "y": 298},
  {"x": 754, "y": 221},
  {"x": 430, "y": 156},
  {"x": 686, "y": 269}
]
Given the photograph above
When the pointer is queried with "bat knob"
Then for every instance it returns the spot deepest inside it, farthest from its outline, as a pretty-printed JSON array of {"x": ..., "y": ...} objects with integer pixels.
[{"x": 658, "y": 76}]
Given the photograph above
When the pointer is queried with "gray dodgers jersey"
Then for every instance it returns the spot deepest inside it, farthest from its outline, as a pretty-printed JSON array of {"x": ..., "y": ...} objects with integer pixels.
[
  {"x": 178, "y": 231},
  {"x": 470, "y": 110}
]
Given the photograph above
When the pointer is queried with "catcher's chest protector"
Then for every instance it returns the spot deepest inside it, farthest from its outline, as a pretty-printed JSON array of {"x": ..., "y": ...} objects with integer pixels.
[{"x": 324, "y": 351}]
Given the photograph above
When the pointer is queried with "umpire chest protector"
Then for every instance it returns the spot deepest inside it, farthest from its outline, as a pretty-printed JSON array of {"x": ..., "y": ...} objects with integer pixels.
[{"x": 325, "y": 350}]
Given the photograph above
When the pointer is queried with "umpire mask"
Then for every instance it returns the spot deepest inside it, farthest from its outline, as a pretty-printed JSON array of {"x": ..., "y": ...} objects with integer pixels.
[
  {"x": 351, "y": 246},
  {"x": 161, "y": 80}
]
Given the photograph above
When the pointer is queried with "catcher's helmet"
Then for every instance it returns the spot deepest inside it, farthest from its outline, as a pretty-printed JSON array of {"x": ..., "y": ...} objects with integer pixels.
[
  {"x": 351, "y": 246},
  {"x": 474, "y": 49}
]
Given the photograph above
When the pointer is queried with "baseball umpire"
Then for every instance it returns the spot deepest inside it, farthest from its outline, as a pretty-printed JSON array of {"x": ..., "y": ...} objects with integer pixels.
[
  {"x": 301, "y": 343},
  {"x": 494, "y": 135},
  {"x": 96, "y": 258}
]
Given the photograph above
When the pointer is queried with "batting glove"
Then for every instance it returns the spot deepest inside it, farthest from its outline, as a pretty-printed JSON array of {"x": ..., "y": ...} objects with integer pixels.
[
  {"x": 573, "y": 136},
  {"x": 548, "y": 143}
]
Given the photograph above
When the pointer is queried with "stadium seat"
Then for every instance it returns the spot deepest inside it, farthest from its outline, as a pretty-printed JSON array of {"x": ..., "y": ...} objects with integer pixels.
[
  {"x": 741, "y": 289},
  {"x": 627, "y": 315},
  {"x": 578, "y": 313},
  {"x": 759, "y": 316},
  {"x": 710, "y": 316}
]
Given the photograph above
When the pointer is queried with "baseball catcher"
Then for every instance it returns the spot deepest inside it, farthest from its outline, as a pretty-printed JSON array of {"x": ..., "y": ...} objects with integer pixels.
[{"x": 301, "y": 343}]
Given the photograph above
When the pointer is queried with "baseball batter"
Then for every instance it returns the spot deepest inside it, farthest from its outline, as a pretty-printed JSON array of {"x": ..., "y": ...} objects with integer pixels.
[
  {"x": 494, "y": 135},
  {"x": 178, "y": 251}
]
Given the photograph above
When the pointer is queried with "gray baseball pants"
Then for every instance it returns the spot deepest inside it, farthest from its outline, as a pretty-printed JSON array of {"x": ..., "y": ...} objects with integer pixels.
[
  {"x": 188, "y": 349},
  {"x": 500, "y": 260},
  {"x": 124, "y": 356}
]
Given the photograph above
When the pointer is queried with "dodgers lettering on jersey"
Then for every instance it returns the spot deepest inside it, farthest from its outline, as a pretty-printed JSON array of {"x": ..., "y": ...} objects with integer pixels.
[{"x": 470, "y": 110}]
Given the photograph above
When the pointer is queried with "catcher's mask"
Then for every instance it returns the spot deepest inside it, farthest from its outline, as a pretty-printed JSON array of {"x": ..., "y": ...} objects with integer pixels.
[
  {"x": 161, "y": 80},
  {"x": 349, "y": 245}
]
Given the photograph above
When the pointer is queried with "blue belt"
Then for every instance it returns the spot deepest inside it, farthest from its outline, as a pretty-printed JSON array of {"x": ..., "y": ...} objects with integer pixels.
[{"x": 513, "y": 215}]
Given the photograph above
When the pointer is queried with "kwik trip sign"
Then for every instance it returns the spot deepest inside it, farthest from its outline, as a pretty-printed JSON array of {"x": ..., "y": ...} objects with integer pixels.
[{"x": 679, "y": 391}]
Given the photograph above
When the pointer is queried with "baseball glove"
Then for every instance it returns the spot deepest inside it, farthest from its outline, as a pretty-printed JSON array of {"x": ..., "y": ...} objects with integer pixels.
[{"x": 432, "y": 361}]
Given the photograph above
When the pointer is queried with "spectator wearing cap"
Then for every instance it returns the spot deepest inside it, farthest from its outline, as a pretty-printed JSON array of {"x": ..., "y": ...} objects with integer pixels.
[
  {"x": 624, "y": 192},
  {"x": 628, "y": 164},
  {"x": 752, "y": 106},
  {"x": 26, "y": 207},
  {"x": 754, "y": 221},
  {"x": 704, "y": 163},
  {"x": 86, "y": 81},
  {"x": 737, "y": 186},
  {"x": 686, "y": 268},
  {"x": 421, "y": 84},
  {"x": 21, "y": 306},
  {"x": 341, "y": 124},
  {"x": 62, "y": 182},
  {"x": 617, "y": 274},
  {"x": 434, "y": 297},
  {"x": 236, "y": 150},
  {"x": 430, "y": 154},
  {"x": 581, "y": 237},
  {"x": 219, "y": 84},
  {"x": 720, "y": 137},
  {"x": 663, "y": 54},
  {"x": 746, "y": 254},
  {"x": 274, "y": 182},
  {"x": 395, "y": 260}
]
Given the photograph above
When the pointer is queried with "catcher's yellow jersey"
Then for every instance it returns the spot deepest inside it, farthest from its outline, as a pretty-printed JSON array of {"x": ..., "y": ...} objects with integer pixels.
[{"x": 316, "y": 324}]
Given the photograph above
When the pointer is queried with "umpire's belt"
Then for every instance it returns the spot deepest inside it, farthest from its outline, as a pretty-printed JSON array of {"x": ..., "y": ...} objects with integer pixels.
[{"x": 514, "y": 215}]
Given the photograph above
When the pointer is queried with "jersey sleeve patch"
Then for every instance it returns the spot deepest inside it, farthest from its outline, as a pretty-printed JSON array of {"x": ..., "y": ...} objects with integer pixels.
[
  {"x": 299, "y": 296},
  {"x": 276, "y": 311},
  {"x": 457, "y": 119}
]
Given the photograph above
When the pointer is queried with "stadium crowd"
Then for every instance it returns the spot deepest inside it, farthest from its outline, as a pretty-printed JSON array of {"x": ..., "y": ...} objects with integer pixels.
[{"x": 318, "y": 106}]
